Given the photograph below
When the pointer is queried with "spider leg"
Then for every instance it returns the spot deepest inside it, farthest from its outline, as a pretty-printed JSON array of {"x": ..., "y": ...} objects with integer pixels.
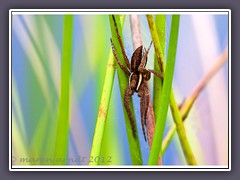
[
  {"x": 127, "y": 96},
  {"x": 146, "y": 75},
  {"x": 121, "y": 44},
  {"x": 156, "y": 73},
  {"x": 118, "y": 61},
  {"x": 144, "y": 95},
  {"x": 144, "y": 58}
]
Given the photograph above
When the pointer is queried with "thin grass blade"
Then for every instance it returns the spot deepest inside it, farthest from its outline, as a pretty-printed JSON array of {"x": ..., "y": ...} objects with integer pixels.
[
  {"x": 165, "y": 98},
  {"x": 160, "y": 21},
  {"x": 134, "y": 145},
  {"x": 103, "y": 110},
  {"x": 63, "y": 109}
]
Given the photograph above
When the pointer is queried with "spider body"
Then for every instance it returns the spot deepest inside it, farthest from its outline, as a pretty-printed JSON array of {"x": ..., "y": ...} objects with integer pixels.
[{"x": 138, "y": 78}]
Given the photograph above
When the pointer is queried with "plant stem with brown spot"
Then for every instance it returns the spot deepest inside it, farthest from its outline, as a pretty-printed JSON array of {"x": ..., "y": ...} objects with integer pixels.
[{"x": 174, "y": 108}]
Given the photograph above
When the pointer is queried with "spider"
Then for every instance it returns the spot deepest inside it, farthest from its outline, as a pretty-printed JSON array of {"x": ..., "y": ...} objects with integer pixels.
[{"x": 138, "y": 77}]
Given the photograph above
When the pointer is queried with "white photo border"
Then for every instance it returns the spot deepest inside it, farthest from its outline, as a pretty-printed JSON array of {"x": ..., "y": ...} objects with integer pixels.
[{"x": 107, "y": 12}]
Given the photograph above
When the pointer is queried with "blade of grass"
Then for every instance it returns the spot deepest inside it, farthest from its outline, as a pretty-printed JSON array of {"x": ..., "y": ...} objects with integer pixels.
[
  {"x": 134, "y": 145},
  {"x": 181, "y": 132},
  {"x": 174, "y": 107},
  {"x": 160, "y": 22},
  {"x": 165, "y": 98},
  {"x": 103, "y": 109},
  {"x": 63, "y": 111},
  {"x": 110, "y": 142},
  {"x": 111, "y": 146}
]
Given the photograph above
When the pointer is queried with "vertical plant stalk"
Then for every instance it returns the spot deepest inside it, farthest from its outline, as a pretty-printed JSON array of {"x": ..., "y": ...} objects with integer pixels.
[
  {"x": 137, "y": 41},
  {"x": 160, "y": 21},
  {"x": 135, "y": 30},
  {"x": 166, "y": 91},
  {"x": 182, "y": 133},
  {"x": 103, "y": 109},
  {"x": 187, "y": 105},
  {"x": 111, "y": 140},
  {"x": 133, "y": 142},
  {"x": 174, "y": 107},
  {"x": 156, "y": 42},
  {"x": 134, "y": 146},
  {"x": 157, "y": 82},
  {"x": 63, "y": 108}
]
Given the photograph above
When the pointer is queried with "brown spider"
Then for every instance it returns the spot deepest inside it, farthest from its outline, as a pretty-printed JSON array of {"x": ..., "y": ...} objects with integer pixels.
[{"x": 138, "y": 77}]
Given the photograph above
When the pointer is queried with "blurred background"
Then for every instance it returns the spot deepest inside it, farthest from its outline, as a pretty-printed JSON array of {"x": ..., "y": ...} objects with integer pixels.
[{"x": 36, "y": 75}]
